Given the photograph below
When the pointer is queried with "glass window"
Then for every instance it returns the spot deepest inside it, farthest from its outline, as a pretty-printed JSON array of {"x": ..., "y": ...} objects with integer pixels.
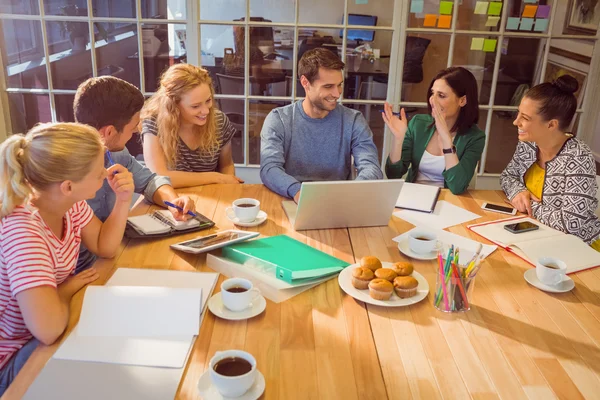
[
  {"x": 374, "y": 12},
  {"x": 431, "y": 14},
  {"x": 116, "y": 55},
  {"x": 259, "y": 110},
  {"x": 479, "y": 16},
  {"x": 271, "y": 63},
  {"x": 114, "y": 8},
  {"x": 310, "y": 38},
  {"x": 64, "y": 107},
  {"x": 235, "y": 110},
  {"x": 223, "y": 60},
  {"x": 479, "y": 63},
  {"x": 25, "y": 66},
  {"x": 372, "y": 114},
  {"x": 502, "y": 142},
  {"x": 164, "y": 45},
  {"x": 71, "y": 8},
  {"x": 321, "y": 12},
  {"x": 26, "y": 110},
  {"x": 70, "y": 59},
  {"x": 170, "y": 9},
  {"x": 223, "y": 10},
  {"x": 424, "y": 56},
  {"x": 273, "y": 10},
  {"x": 26, "y": 7}
]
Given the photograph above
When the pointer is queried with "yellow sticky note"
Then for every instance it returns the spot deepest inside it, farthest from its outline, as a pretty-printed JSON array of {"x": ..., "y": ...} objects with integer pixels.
[
  {"x": 492, "y": 21},
  {"x": 529, "y": 11},
  {"x": 477, "y": 44},
  {"x": 489, "y": 45},
  {"x": 430, "y": 20},
  {"x": 481, "y": 7},
  {"x": 445, "y": 21}
]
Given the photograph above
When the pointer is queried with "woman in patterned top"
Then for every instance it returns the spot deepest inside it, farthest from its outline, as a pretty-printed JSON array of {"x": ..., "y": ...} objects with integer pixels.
[
  {"x": 552, "y": 176},
  {"x": 45, "y": 178},
  {"x": 185, "y": 137}
]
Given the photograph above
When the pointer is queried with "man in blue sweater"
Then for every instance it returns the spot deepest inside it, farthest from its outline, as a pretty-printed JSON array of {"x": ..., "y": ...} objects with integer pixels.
[{"x": 314, "y": 139}]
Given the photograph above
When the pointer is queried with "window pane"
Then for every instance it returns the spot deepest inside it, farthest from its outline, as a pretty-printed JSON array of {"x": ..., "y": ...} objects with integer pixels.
[
  {"x": 520, "y": 63},
  {"x": 424, "y": 56},
  {"x": 70, "y": 59},
  {"x": 171, "y": 9},
  {"x": 163, "y": 46},
  {"x": 235, "y": 111},
  {"x": 321, "y": 12},
  {"x": 271, "y": 64},
  {"x": 19, "y": 7},
  {"x": 64, "y": 107},
  {"x": 479, "y": 63},
  {"x": 366, "y": 76},
  {"x": 430, "y": 15},
  {"x": 222, "y": 10},
  {"x": 26, "y": 110},
  {"x": 26, "y": 67},
  {"x": 117, "y": 56},
  {"x": 477, "y": 16},
  {"x": 373, "y": 117},
  {"x": 375, "y": 12},
  {"x": 273, "y": 10},
  {"x": 310, "y": 38},
  {"x": 227, "y": 72},
  {"x": 258, "y": 112},
  {"x": 502, "y": 142},
  {"x": 114, "y": 9},
  {"x": 66, "y": 7}
]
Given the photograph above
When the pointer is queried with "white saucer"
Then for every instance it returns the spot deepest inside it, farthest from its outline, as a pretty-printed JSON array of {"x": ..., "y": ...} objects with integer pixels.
[
  {"x": 215, "y": 305},
  {"x": 566, "y": 285},
  {"x": 260, "y": 218},
  {"x": 405, "y": 249},
  {"x": 209, "y": 392}
]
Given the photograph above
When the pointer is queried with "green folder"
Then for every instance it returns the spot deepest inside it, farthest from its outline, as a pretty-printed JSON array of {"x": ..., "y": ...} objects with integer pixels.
[{"x": 292, "y": 260}]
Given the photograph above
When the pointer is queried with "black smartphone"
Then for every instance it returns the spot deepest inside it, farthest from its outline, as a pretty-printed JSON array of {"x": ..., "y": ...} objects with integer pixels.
[
  {"x": 499, "y": 209},
  {"x": 521, "y": 227}
]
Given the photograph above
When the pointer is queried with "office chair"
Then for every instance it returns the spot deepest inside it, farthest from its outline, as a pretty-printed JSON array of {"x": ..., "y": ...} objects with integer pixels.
[
  {"x": 413, "y": 61},
  {"x": 264, "y": 37}
]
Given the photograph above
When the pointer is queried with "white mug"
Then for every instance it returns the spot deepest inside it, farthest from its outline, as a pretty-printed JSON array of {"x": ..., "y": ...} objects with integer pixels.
[
  {"x": 550, "y": 275},
  {"x": 422, "y": 241},
  {"x": 238, "y": 301},
  {"x": 245, "y": 210},
  {"x": 232, "y": 386}
]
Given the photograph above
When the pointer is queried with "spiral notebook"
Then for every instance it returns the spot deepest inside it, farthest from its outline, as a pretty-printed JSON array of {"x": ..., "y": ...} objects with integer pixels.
[{"x": 162, "y": 223}]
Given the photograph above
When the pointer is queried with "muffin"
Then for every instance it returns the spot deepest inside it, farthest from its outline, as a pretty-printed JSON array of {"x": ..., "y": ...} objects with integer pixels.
[
  {"x": 386, "y": 273},
  {"x": 403, "y": 268},
  {"x": 405, "y": 286},
  {"x": 380, "y": 289},
  {"x": 370, "y": 262},
  {"x": 361, "y": 277}
]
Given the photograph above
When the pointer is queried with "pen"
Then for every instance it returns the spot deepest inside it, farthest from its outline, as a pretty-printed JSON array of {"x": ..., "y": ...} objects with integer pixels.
[
  {"x": 168, "y": 203},
  {"x": 110, "y": 160}
]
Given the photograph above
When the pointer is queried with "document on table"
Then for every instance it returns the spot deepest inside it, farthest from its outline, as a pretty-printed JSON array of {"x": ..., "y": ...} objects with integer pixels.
[{"x": 445, "y": 214}]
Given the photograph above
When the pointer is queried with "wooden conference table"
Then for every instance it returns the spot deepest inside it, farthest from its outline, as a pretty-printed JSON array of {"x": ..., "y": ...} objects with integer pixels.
[{"x": 516, "y": 342}]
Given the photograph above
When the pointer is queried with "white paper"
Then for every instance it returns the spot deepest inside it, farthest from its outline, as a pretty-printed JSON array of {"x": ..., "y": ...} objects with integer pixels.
[
  {"x": 496, "y": 233},
  {"x": 417, "y": 197},
  {"x": 140, "y": 311},
  {"x": 467, "y": 247},
  {"x": 445, "y": 215},
  {"x": 149, "y": 352}
]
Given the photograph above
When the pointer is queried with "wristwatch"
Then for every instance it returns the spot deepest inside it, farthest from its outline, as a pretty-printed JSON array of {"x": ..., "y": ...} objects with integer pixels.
[{"x": 451, "y": 150}]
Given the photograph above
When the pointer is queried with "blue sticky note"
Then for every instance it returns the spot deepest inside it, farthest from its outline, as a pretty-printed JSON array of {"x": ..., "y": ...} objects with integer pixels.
[
  {"x": 541, "y": 24},
  {"x": 530, "y": 1},
  {"x": 416, "y": 6},
  {"x": 362, "y": 1},
  {"x": 513, "y": 23},
  {"x": 526, "y": 24}
]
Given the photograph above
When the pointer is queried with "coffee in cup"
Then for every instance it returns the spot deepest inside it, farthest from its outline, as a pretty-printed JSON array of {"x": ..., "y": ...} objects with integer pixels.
[
  {"x": 244, "y": 210},
  {"x": 238, "y": 294},
  {"x": 232, "y": 372},
  {"x": 550, "y": 271},
  {"x": 422, "y": 241}
]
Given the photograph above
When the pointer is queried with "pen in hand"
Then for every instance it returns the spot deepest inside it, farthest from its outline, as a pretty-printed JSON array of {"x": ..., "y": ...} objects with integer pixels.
[
  {"x": 111, "y": 161},
  {"x": 168, "y": 203}
]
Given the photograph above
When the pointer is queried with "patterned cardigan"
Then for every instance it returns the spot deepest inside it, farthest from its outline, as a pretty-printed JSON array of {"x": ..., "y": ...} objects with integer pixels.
[{"x": 569, "y": 194}]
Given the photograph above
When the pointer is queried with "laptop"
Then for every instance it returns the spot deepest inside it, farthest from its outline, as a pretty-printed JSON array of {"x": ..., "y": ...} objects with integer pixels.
[{"x": 343, "y": 204}]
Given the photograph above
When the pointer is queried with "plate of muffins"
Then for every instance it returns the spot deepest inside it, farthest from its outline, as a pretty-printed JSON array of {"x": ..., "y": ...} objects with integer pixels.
[{"x": 383, "y": 283}]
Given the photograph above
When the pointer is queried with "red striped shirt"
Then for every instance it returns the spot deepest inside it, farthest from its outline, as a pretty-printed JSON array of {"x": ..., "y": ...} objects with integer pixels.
[{"x": 30, "y": 256}]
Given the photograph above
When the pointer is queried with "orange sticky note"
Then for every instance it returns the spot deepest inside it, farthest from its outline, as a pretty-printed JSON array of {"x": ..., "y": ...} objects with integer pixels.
[
  {"x": 445, "y": 21},
  {"x": 529, "y": 11},
  {"x": 430, "y": 20}
]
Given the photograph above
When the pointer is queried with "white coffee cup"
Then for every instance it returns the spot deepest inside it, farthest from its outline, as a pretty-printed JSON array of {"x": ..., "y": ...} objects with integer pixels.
[
  {"x": 245, "y": 210},
  {"x": 550, "y": 270},
  {"x": 232, "y": 386},
  {"x": 422, "y": 241},
  {"x": 238, "y": 301}
]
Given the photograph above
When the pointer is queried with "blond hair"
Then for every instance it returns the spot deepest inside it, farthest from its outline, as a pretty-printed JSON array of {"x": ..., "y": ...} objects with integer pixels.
[
  {"x": 46, "y": 155},
  {"x": 163, "y": 107}
]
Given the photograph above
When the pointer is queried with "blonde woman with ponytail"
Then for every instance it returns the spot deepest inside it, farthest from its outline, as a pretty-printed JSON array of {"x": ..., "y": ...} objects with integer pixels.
[
  {"x": 185, "y": 137},
  {"x": 45, "y": 178}
]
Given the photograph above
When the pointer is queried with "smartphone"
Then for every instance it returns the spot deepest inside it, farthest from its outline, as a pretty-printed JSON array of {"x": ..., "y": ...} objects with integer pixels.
[
  {"x": 214, "y": 241},
  {"x": 521, "y": 227},
  {"x": 499, "y": 209}
]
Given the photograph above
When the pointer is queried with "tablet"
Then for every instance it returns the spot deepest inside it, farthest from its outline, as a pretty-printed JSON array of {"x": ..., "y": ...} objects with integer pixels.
[{"x": 213, "y": 241}]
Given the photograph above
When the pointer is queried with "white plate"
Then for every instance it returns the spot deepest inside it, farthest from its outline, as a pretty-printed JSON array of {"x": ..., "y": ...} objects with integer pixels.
[
  {"x": 209, "y": 392},
  {"x": 345, "y": 281},
  {"x": 215, "y": 305},
  {"x": 405, "y": 249},
  {"x": 260, "y": 218},
  {"x": 565, "y": 285}
]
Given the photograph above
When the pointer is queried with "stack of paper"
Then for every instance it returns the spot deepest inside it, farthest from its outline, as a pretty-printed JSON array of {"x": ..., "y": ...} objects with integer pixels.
[
  {"x": 445, "y": 215},
  {"x": 418, "y": 197}
]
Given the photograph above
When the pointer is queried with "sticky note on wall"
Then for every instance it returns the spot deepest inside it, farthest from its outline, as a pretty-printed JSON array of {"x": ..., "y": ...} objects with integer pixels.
[
  {"x": 492, "y": 21},
  {"x": 481, "y": 7},
  {"x": 513, "y": 23},
  {"x": 529, "y": 11},
  {"x": 541, "y": 24},
  {"x": 526, "y": 24},
  {"x": 489, "y": 45},
  {"x": 445, "y": 21},
  {"x": 543, "y": 12},
  {"x": 495, "y": 8},
  {"x": 416, "y": 6},
  {"x": 446, "y": 7},
  {"x": 430, "y": 20},
  {"x": 477, "y": 44},
  {"x": 531, "y": 1}
]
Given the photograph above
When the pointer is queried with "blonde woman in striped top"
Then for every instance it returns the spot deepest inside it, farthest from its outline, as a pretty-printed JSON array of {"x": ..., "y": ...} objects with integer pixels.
[{"x": 185, "y": 137}]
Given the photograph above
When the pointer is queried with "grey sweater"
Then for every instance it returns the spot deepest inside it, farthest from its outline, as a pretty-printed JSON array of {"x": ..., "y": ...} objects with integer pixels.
[{"x": 296, "y": 148}]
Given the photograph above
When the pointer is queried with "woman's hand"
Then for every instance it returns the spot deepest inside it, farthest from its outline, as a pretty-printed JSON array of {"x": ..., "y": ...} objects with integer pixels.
[
  {"x": 522, "y": 202},
  {"x": 73, "y": 283},
  {"x": 441, "y": 127},
  {"x": 187, "y": 204},
  {"x": 398, "y": 126}
]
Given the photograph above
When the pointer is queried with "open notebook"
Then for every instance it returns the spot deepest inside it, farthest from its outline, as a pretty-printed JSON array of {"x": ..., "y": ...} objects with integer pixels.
[
  {"x": 161, "y": 223},
  {"x": 544, "y": 242},
  {"x": 417, "y": 197}
]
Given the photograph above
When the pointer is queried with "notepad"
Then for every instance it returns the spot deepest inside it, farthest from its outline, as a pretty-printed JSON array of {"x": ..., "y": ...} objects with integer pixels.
[
  {"x": 162, "y": 222},
  {"x": 417, "y": 197},
  {"x": 543, "y": 242}
]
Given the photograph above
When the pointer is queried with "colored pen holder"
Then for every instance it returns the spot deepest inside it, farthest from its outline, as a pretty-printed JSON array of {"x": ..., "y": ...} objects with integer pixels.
[{"x": 453, "y": 290}]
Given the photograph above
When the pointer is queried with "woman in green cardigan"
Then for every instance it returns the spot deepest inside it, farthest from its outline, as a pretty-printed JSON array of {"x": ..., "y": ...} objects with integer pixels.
[{"x": 442, "y": 148}]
